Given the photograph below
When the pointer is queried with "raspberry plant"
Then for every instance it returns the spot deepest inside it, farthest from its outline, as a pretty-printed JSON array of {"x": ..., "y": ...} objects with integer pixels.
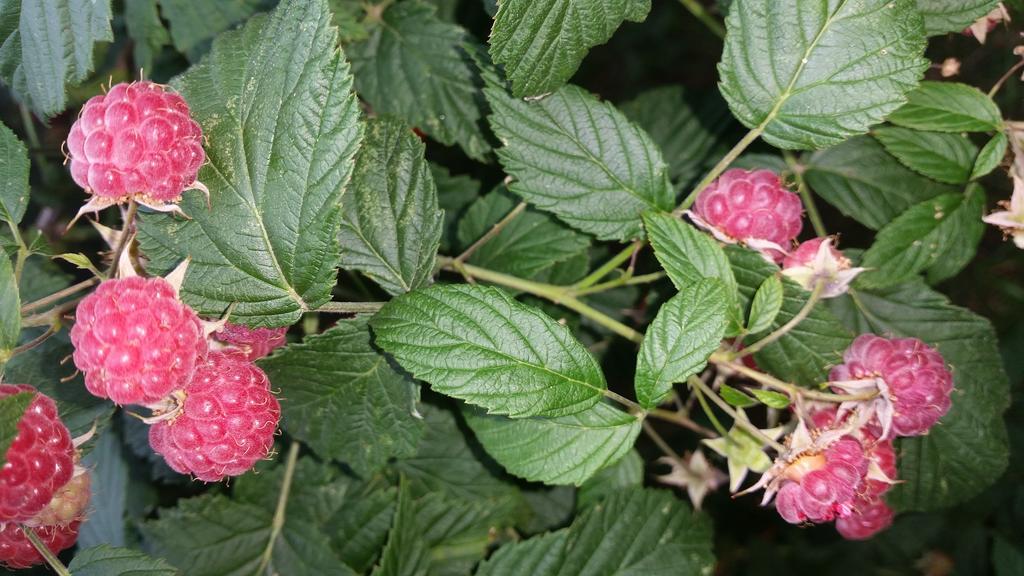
[{"x": 474, "y": 287}]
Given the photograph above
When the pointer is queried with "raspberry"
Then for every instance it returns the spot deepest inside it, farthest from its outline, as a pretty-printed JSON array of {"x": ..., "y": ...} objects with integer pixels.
[
  {"x": 135, "y": 341},
  {"x": 751, "y": 207},
  {"x": 913, "y": 381},
  {"x": 821, "y": 486},
  {"x": 253, "y": 342},
  {"x": 224, "y": 425},
  {"x": 136, "y": 142},
  {"x": 870, "y": 517},
  {"x": 68, "y": 504},
  {"x": 17, "y": 552},
  {"x": 39, "y": 462}
]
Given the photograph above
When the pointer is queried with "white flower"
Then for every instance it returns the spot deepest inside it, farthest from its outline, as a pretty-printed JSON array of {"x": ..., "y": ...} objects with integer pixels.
[
  {"x": 1011, "y": 219},
  {"x": 817, "y": 261}
]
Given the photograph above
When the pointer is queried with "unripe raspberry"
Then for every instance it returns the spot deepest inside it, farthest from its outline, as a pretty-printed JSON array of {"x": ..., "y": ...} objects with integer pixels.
[
  {"x": 225, "y": 424},
  {"x": 913, "y": 381},
  {"x": 137, "y": 141},
  {"x": 817, "y": 261},
  {"x": 822, "y": 486},
  {"x": 68, "y": 504},
  {"x": 17, "y": 552},
  {"x": 39, "y": 462},
  {"x": 135, "y": 341},
  {"x": 752, "y": 207},
  {"x": 253, "y": 342},
  {"x": 870, "y": 517}
]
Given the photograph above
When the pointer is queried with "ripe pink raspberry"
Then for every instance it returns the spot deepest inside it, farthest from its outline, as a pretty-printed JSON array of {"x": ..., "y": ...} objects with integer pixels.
[
  {"x": 253, "y": 342},
  {"x": 17, "y": 552},
  {"x": 135, "y": 341},
  {"x": 40, "y": 461},
  {"x": 870, "y": 516},
  {"x": 913, "y": 381},
  {"x": 68, "y": 504},
  {"x": 137, "y": 141},
  {"x": 224, "y": 425},
  {"x": 752, "y": 207},
  {"x": 821, "y": 486}
]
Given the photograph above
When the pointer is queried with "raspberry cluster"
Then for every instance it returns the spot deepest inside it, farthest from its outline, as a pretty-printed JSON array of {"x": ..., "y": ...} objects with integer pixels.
[
  {"x": 40, "y": 486},
  {"x": 136, "y": 142},
  {"x": 214, "y": 413},
  {"x": 752, "y": 208}
]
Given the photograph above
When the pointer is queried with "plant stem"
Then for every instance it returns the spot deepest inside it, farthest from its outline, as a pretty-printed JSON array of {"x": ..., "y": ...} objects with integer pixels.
[
  {"x": 785, "y": 328},
  {"x": 710, "y": 413},
  {"x": 557, "y": 294},
  {"x": 624, "y": 280},
  {"x": 350, "y": 307},
  {"x": 23, "y": 251},
  {"x": 1002, "y": 79},
  {"x": 681, "y": 420},
  {"x": 282, "y": 506},
  {"x": 45, "y": 552},
  {"x": 791, "y": 389},
  {"x": 50, "y": 316},
  {"x": 661, "y": 443},
  {"x": 719, "y": 168},
  {"x": 494, "y": 231},
  {"x": 805, "y": 194},
  {"x": 56, "y": 296},
  {"x": 616, "y": 397},
  {"x": 738, "y": 420},
  {"x": 702, "y": 14},
  {"x": 53, "y": 329},
  {"x": 608, "y": 266},
  {"x": 124, "y": 238}
]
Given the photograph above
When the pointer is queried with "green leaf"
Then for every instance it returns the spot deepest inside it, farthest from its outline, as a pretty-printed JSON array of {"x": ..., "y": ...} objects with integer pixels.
[
  {"x": 944, "y": 157},
  {"x": 744, "y": 453},
  {"x": 212, "y": 535},
  {"x": 626, "y": 474},
  {"x": 195, "y": 24},
  {"x": 108, "y": 501},
  {"x": 736, "y": 397},
  {"x": 349, "y": 19},
  {"x": 948, "y": 107},
  {"x": 686, "y": 127},
  {"x": 968, "y": 450},
  {"x": 771, "y": 399},
  {"x": 454, "y": 195},
  {"x": 581, "y": 159},
  {"x": 867, "y": 183},
  {"x": 1007, "y": 558},
  {"x": 563, "y": 450},
  {"x": 790, "y": 69},
  {"x": 46, "y": 45},
  {"x": 633, "y": 532},
  {"x": 990, "y": 156},
  {"x": 359, "y": 529},
  {"x": 765, "y": 305},
  {"x": 542, "y": 42},
  {"x": 14, "y": 168},
  {"x": 806, "y": 353},
  {"x": 343, "y": 398},
  {"x": 941, "y": 16},
  {"x": 142, "y": 19},
  {"x": 686, "y": 330},
  {"x": 391, "y": 224},
  {"x": 458, "y": 532},
  {"x": 550, "y": 507},
  {"x": 943, "y": 232},
  {"x": 405, "y": 554},
  {"x": 104, "y": 560},
  {"x": 276, "y": 170},
  {"x": 414, "y": 66},
  {"x": 10, "y": 311},
  {"x": 478, "y": 344},
  {"x": 12, "y": 408},
  {"x": 529, "y": 245}
]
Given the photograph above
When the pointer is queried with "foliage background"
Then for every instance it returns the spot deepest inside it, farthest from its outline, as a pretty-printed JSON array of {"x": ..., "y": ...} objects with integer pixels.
[{"x": 982, "y": 536}]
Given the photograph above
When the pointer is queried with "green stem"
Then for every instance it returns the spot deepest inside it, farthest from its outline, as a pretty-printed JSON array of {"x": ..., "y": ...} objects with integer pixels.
[
  {"x": 702, "y": 14},
  {"x": 494, "y": 231},
  {"x": 124, "y": 238},
  {"x": 661, "y": 443},
  {"x": 738, "y": 420},
  {"x": 1002, "y": 79},
  {"x": 681, "y": 420},
  {"x": 23, "y": 251},
  {"x": 282, "y": 506},
  {"x": 557, "y": 294},
  {"x": 805, "y": 194},
  {"x": 799, "y": 317},
  {"x": 606, "y": 268},
  {"x": 724, "y": 163},
  {"x": 709, "y": 412},
  {"x": 45, "y": 552},
  {"x": 624, "y": 280},
  {"x": 791, "y": 389},
  {"x": 350, "y": 307},
  {"x": 38, "y": 340}
]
